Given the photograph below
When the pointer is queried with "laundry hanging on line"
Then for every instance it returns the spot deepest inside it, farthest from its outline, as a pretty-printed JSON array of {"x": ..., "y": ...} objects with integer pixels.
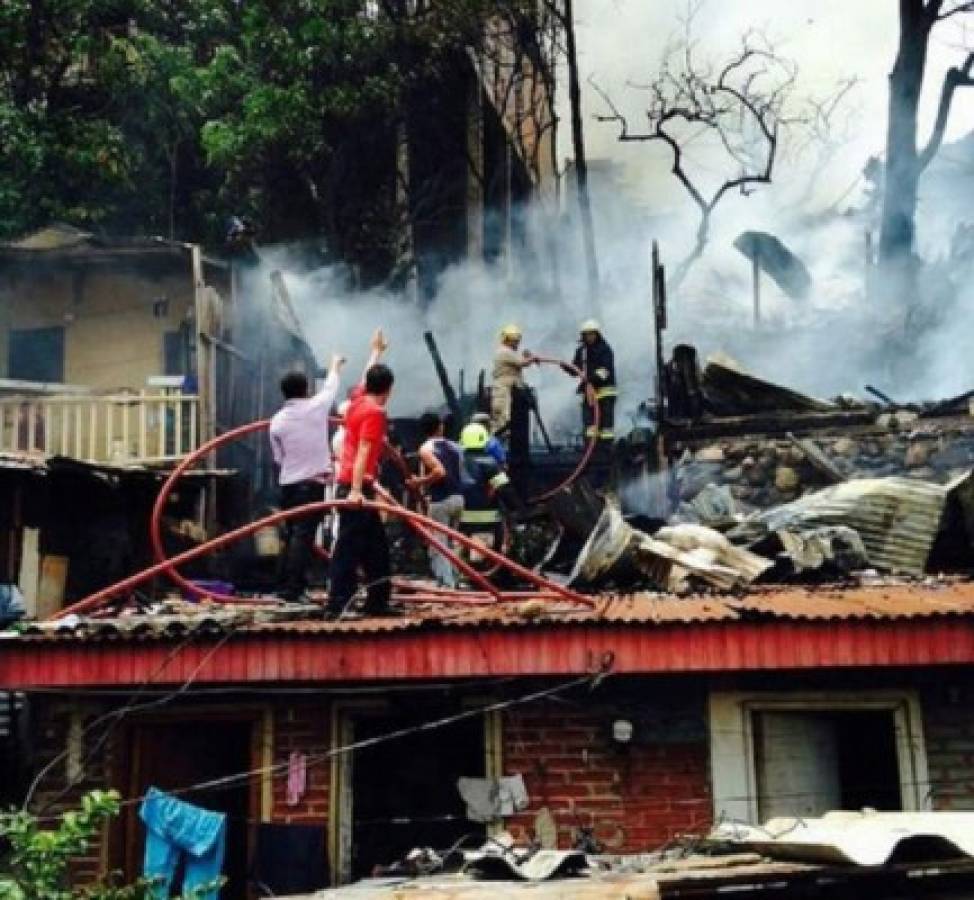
[
  {"x": 176, "y": 830},
  {"x": 490, "y": 799}
]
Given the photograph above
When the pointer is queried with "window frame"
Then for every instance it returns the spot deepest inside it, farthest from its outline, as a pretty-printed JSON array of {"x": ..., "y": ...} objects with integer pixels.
[{"x": 732, "y": 746}]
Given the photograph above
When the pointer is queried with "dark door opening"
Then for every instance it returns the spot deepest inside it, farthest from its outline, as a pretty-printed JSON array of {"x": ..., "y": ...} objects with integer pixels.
[
  {"x": 174, "y": 755},
  {"x": 808, "y": 763},
  {"x": 404, "y": 791}
]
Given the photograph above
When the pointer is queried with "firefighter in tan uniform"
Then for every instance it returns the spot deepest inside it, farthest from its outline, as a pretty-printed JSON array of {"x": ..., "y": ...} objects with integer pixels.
[{"x": 508, "y": 373}]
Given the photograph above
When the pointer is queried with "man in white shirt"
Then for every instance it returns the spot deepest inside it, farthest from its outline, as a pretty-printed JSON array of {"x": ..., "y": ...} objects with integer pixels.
[{"x": 299, "y": 443}]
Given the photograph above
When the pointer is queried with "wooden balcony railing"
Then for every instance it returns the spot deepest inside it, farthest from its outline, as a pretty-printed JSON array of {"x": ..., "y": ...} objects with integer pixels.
[{"x": 134, "y": 427}]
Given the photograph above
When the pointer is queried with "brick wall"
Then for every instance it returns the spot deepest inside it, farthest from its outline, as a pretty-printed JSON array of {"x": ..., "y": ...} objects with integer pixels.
[
  {"x": 304, "y": 728},
  {"x": 636, "y": 799},
  {"x": 89, "y": 768},
  {"x": 948, "y": 723}
]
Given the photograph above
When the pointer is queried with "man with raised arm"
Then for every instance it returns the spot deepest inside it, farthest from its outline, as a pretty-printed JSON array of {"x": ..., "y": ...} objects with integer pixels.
[{"x": 362, "y": 541}]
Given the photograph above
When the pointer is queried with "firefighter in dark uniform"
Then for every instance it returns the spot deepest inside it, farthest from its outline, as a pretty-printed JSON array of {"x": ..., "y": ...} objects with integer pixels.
[
  {"x": 489, "y": 496},
  {"x": 595, "y": 360}
]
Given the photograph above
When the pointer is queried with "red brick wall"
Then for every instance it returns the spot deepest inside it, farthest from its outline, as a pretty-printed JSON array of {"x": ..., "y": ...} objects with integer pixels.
[
  {"x": 304, "y": 728},
  {"x": 54, "y": 794},
  {"x": 636, "y": 798},
  {"x": 948, "y": 725}
]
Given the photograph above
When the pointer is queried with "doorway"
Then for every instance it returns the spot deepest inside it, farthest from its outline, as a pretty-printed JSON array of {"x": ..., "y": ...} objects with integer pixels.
[
  {"x": 808, "y": 763},
  {"x": 175, "y": 754},
  {"x": 402, "y": 793}
]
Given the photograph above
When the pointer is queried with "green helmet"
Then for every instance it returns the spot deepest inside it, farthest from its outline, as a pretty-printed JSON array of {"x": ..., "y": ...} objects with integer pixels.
[{"x": 474, "y": 437}]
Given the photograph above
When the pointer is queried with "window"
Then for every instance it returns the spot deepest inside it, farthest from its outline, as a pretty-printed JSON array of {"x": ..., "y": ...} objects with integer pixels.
[
  {"x": 805, "y": 754},
  {"x": 36, "y": 354}
]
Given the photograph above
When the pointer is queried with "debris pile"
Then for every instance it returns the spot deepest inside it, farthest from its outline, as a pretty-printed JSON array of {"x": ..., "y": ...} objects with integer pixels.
[{"x": 763, "y": 472}]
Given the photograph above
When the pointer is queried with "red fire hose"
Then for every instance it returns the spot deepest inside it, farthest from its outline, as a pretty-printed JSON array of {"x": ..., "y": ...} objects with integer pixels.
[
  {"x": 163, "y": 568},
  {"x": 593, "y": 437},
  {"x": 155, "y": 521},
  {"x": 169, "y": 566}
]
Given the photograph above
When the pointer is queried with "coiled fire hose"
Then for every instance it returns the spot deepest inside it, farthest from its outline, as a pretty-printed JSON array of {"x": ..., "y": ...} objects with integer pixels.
[
  {"x": 166, "y": 566},
  {"x": 423, "y": 526}
]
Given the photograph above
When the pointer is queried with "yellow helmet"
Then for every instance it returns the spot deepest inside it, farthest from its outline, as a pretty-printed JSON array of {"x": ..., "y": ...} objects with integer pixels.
[
  {"x": 511, "y": 331},
  {"x": 474, "y": 437},
  {"x": 589, "y": 325}
]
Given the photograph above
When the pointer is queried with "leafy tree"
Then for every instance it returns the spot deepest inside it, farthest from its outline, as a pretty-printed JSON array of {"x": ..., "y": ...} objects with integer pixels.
[
  {"x": 312, "y": 117},
  {"x": 36, "y": 866}
]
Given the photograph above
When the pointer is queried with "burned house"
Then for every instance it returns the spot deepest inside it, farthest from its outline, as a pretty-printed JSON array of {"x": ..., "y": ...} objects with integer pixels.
[
  {"x": 118, "y": 356},
  {"x": 630, "y": 725}
]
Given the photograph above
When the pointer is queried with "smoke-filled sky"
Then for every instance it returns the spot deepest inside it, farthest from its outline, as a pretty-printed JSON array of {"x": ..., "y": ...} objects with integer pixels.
[
  {"x": 838, "y": 339},
  {"x": 623, "y": 41}
]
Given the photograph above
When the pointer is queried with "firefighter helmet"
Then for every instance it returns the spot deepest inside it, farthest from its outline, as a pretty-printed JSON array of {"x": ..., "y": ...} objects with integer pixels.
[
  {"x": 510, "y": 332},
  {"x": 474, "y": 437},
  {"x": 589, "y": 325}
]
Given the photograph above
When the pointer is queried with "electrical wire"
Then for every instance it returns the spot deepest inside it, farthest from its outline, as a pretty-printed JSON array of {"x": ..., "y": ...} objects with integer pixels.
[
  {"x": 115, "y": 717},
  {"x": 592, "y": 679}
]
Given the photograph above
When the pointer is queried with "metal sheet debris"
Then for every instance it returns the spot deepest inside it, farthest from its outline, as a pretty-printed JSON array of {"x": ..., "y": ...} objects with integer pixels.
[
  {"x": 866, "y": 838},
  {"x": 668, "y": 558},
  {"x": 897, "y": 519}
]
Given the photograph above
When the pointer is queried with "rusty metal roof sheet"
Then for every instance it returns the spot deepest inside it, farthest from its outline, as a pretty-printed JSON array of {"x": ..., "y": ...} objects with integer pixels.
[
  {"x": 887, "y": 625},
  {"x": 886, "y": 601},
  {"x": 897, "y": 518}
]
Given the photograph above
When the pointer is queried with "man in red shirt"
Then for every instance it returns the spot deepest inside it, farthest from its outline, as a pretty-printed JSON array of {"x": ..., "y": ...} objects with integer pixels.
[{"x": 361, "y": 536}]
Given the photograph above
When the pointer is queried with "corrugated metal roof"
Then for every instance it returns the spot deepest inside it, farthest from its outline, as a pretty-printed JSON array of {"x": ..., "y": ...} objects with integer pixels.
[
  {"x": 886, "y": 601},
  {"x": 897, "y": 518}
]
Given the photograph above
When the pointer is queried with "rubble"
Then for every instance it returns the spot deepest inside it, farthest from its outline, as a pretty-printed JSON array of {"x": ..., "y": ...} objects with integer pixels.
[
  {"x": 897, "y": 519},
  {"x": 764, "y": 471},
  {"x": 866, "y": 838},
  {"x": 617, "y": 553}
]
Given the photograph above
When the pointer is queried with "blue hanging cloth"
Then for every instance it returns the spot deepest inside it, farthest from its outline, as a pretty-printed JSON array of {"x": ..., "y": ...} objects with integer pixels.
[{"x": 175, "y": 829}]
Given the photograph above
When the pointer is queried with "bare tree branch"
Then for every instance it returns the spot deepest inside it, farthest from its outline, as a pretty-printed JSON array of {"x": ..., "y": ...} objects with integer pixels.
[
  {"x": 940, "y": 13},
  {"x": 741, "y": 104},
  {"x": 956, "y": 77}
]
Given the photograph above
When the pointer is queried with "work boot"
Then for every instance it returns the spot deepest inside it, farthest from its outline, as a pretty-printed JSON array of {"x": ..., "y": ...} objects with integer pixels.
[{"x": 332, "y": 613}]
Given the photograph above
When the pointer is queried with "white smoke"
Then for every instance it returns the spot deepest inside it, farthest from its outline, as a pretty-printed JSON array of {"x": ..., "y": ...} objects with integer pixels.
[{"x": 835, "y": 341}]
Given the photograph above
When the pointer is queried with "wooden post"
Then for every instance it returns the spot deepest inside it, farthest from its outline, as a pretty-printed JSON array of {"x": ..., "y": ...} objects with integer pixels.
[
  {"x": 756, "y": 275},
  {"x": 658, "y": 279},
  {"x": 581, "y": 164}
]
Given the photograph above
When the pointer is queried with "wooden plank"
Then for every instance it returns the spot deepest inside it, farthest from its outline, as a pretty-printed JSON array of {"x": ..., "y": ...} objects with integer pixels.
[
  {"x": 162, "y": 426},
  {"x": 109, "y": 428},
  {"x": 126, "y": 409},
  {"x": 777, "y": 423},
  {"x": 143, "y": 426},
  {"x": 31, "y": 427},
  {"x": 48, "y": 422},
  {"x": 92, "y": 430},
  {"x": 178, "y": 427},
  {"x": 818, "y": 458},
  {"x": 65, "y": 429}
]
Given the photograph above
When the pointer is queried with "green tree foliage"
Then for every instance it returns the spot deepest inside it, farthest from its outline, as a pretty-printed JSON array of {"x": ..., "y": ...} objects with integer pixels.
[
  {"x": 167, "y": 116},
  {"x": 34, "y": 864}
]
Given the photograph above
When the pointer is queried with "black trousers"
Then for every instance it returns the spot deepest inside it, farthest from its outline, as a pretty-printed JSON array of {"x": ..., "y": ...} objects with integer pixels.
[
  {"x": 607, "y": 417},
  {"x": 299, "y": 536},
  {"x": 361, "y": 543}
]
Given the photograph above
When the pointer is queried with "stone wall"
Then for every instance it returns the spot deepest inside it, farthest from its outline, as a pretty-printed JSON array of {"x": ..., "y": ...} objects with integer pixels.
[{"x": 762, "y": 471}]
